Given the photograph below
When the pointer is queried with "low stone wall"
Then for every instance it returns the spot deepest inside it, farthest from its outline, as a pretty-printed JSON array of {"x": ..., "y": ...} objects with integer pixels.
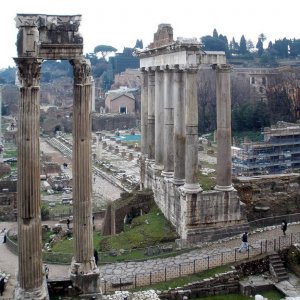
[
  {"x": 113, "y": 121},
  {"x": 126, "y": 205},
  {"x": 220, "y": 284}
]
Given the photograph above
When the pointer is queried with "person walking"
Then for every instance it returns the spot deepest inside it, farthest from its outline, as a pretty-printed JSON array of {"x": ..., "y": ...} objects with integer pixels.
[
  {"x": 96, "y": 256},
  {"x": 2, "y": 286},
  {"x": 68, "y": 223},
  {"x": 244, "y": 245},
  {"x": 284, "y": 226}
]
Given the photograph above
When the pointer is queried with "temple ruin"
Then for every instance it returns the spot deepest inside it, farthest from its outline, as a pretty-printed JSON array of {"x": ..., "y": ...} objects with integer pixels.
[
  {"x": 52, "y": 37},
  {"x": 169, "y": 126}
]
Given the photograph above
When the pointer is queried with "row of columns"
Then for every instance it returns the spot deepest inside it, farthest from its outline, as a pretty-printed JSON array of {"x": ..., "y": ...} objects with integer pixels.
[
  {"x": 169, "y": 124},
  {"x": 30, "y": 274}
]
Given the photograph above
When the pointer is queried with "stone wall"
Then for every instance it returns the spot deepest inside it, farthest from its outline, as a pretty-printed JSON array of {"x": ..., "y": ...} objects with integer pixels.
[
  {"x": 269, "y": 195},
  {"x": 128, "y": 204},
  {"x": 8, "y": 200},
  {"x": 221, "y": 284},
  {"x": 113, "y": 121}
]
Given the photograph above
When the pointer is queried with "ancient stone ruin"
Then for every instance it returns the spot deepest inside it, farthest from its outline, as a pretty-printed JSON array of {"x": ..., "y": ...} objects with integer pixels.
[
  {"x": 169, "y": 125},
  {"x": 44, "y": 37}
]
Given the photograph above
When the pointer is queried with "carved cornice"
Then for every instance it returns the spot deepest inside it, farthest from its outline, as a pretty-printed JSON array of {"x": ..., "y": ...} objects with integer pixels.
[
  {"x": 29, "y": 71},
  {"x": 82, "y": 71}
]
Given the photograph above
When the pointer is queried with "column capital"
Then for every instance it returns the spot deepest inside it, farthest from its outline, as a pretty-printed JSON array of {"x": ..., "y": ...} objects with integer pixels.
[
  {"x": 82, "y": 71},
  {"x": 222, "y": 68},
  {"x": 29, "y": 71}
]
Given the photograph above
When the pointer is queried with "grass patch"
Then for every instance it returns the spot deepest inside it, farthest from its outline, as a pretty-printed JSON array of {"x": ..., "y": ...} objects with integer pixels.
[
  {"x": 207, "y": 182},
  {"x": 254, "y": 136},
  {"x": 272, "y": 295},
  {"x": 144, "y": 231},
  {"x": 226, "y": 297}
]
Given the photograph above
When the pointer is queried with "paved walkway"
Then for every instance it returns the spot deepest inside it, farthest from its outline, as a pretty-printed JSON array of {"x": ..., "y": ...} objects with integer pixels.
[{"x": 8, "y": 261}]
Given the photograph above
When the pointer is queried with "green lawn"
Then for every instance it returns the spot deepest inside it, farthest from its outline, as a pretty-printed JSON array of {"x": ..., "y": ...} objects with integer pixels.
[{"x": 146, "y": 230}]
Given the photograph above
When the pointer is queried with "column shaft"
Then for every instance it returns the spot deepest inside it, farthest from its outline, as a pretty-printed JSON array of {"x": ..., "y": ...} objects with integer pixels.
[
  {"x": 151, "y": 115},
  {"x": 224, "y": 181},
  {"x": 30, "y": 276},
  {"x": 179, "y": 128},
  {"x": 168, "y": 124},
  {"x": 191, "y": 128},
  {"x": 144, "y": 113},
  {"x": 159, "y": 119},
  {"x": 81, "y": 169}
]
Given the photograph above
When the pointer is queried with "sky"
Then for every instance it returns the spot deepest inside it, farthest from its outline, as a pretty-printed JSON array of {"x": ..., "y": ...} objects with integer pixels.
[{"x": 120, "y": 23}]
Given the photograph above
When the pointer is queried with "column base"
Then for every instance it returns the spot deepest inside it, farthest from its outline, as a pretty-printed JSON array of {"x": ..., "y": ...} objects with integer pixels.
[
  {"x": 85, "y": 277},
  {"x": 224, "y": 188},
  {"x": 192, "y": 188},
  {"x": 178, "y": 181},
  {"x": 158, "y": 167},
  {"x": 167, "y": 174},
  {"x": 40, "y": 293}
]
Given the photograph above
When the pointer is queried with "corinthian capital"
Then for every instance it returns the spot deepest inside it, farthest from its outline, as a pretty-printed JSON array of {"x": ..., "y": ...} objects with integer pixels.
[
  {"x": 82, "y": 71},
  {"x": 29, "y": 71}
]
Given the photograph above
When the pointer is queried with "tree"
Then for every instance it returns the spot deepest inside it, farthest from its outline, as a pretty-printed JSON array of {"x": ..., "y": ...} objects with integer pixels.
[
  {"x": 139, "y": 44},
  {"x": 215, "y": 33},
  {"x": 234, "y": 46},
  {"x": 243, "y": 45},
  {"x": 104, "y": 50},
  {"x": 259, "y": 47}
]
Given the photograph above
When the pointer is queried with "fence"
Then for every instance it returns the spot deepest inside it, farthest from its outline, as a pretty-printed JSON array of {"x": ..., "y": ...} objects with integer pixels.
[
  {"x": 198, "y": 265},
  {"x": 276, "y": 220}
]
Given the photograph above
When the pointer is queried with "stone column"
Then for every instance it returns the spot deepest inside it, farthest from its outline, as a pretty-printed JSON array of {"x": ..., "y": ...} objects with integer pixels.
[
  {"x": 224, "y": 181},
  {"x": 191, "y": 128},
  {"x": 144, "y": 112},
  {"x": 84, "y": 272},
  {"x": 159, "y": 119},
  {"x": 168, "y": 124},
  {"x": 151, "y": 115},
  {"x": 179, "y": 127},
  {"x": 31, "y": 284}
]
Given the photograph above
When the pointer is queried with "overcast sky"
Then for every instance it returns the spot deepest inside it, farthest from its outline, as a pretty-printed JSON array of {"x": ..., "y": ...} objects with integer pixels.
[{"x": 120, "y": 23}]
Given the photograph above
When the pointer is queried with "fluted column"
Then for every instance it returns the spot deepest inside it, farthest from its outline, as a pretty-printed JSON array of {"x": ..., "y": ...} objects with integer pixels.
[
  {"x": 144, "y": 112},
  {"x": 30, "y": 274},
  {"x": 83, "y": 264},
  {"x": 151, "y": 115},
  {"x": 168, "y": 124},
  {"x": 159, "y": 119},
  {"x": 224, "y": 181},
  {"x": 179, "y": 127},
  {"x": 191, "y": 128}
]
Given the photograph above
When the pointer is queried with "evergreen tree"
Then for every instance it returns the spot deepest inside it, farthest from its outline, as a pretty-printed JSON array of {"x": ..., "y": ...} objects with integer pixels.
[
  {"x": 260, "y": 47},
  {"x": 234, "y": 46},
  {"x": 215, "y": 33},
  {"x": 243, "y": 45}
]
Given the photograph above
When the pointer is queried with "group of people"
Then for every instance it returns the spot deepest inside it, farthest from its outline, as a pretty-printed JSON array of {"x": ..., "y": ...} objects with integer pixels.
[{"x": 245, "y": 246}]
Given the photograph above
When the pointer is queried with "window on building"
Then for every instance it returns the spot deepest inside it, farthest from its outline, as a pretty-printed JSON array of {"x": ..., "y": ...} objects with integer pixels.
[
  {"x": 252, "y": 80},
  {"x": 261, "y": 90},
  {"x": 264, "y": 81}
]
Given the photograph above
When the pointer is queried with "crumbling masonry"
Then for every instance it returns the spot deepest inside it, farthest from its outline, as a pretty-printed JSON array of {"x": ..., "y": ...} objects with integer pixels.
[{"x": 169, "y": 125}]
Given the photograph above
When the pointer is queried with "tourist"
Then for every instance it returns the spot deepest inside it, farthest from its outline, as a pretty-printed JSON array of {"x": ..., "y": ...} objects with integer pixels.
[
  {"x": 284, "y": 226},
  {"x": 244, "y": 245},
  {"x": 2, "y": 285},
  {"x": 96, "y": 256},
  {"x": 46, "y": 271},
  {"x": 68, "y": 223},
  {"x": 4, "y": 235}
]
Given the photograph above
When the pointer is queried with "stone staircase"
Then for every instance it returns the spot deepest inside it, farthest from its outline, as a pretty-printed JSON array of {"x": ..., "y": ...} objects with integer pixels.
[{"x": 277, "y": 268}]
